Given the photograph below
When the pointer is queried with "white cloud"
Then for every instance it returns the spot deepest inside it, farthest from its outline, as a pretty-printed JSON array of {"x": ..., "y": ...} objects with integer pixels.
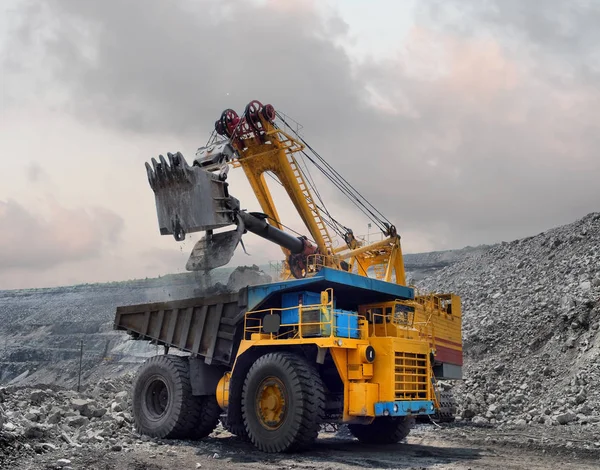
[{"x": 458, "y": 132}]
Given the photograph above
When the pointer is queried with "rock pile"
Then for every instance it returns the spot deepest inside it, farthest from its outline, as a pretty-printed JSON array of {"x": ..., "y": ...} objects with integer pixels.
[
  {"x": 531, "y": 327},
  {"x": 38, "y": 420},
  {"x": 240, "y": 277}
]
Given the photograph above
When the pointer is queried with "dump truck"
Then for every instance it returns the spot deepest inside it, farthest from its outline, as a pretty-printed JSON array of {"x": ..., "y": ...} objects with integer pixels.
[{"x": 338, "y": 338}]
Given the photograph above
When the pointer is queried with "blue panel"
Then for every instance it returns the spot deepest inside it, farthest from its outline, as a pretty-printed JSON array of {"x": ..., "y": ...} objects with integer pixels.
[
  {"x": 256, "y": 294},
  {"x": 363, "y": 282},
  {"x": 346, "y": 324},
  {"x": 292, "y": 299},
  {"x": 360, "y": 288},
  {"x": 404, "y": 408}
]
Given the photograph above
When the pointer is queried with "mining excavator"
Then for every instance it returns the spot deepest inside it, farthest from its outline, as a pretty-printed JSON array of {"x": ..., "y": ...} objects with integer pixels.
[{"x": 338, "y": 338}]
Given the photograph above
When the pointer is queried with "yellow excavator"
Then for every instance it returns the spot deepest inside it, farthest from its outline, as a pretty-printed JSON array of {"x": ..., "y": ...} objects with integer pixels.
[{"x": 264, "y": 143}]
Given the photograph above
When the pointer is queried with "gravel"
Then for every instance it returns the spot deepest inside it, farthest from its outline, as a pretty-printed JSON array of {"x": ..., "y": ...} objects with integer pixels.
[
  {"x": 531, "y": 320},
  {"x": 39, "y": 420}
]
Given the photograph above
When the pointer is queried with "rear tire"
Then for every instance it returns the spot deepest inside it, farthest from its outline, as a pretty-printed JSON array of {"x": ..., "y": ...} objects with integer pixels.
[
  {"x": 283, "y": 403},
  {"x": 207, "y": 412},
  {"x": 447, "y": 411},
  {"x": 383, "y": 430},
  {"x": 163, "y": 404}
]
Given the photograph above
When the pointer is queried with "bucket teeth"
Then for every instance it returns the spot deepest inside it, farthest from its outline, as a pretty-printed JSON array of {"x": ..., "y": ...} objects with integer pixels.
[
  {"x": 156, "y": 168},
  {"x": 188, "y": 198},
  {"x": 164, "y": 168},
  {"x": 150, "y": 174},
  {"x": 165, "y": 171},
  {"x": 173, "y": 163},
  {"x": 161, "y": 170}
]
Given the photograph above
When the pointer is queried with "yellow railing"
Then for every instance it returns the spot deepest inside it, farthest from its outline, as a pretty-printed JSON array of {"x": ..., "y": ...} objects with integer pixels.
[
  {"x": 317, "y": 261},
  {"x": 421, "y": 329},
  {"x": 436, "y": 302},
  {"x": 384, "y": 320},
  {"x": 395, "y": 312}
]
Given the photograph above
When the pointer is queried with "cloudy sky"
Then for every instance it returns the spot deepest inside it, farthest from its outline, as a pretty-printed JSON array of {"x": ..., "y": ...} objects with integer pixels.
[{"x": 463, "y": 122}]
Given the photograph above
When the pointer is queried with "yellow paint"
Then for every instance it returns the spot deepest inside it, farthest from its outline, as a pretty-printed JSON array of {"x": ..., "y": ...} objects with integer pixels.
[
  {"x": 362, "y": 398},
  {"x": 401, "y": 370},
  {"x": 431, "y": 319},
  {"x": 223, "y": 391},
  {"x": 271, "y": 403},
  {"x": 367, "y": 370},
  {"x": 275, "y": 154}
]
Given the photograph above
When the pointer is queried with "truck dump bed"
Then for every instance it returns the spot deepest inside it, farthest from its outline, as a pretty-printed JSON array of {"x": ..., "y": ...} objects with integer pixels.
[{"x": 210, "y": 327}]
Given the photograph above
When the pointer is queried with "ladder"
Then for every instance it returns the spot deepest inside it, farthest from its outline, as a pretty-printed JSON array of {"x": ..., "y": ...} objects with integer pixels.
[{"x": 309, "y": 200}]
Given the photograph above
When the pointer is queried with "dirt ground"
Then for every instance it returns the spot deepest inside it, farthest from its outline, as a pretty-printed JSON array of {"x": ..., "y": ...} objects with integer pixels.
[{"x": 428, "y": 447}]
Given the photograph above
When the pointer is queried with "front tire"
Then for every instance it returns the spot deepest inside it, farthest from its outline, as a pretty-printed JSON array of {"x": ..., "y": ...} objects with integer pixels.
[
  {"x": 163, "y": 404},
  {"x": 238, "y": 430},
  {"x": 383, "y": 430},
  {"x": 283, "y": 403}
]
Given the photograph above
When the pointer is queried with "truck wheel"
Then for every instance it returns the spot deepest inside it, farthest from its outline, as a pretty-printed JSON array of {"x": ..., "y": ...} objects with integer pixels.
[
  {"x": 207, "y": 417},
  {"x": 163, "y": 404},
  {"x": 238, "y": 430},
  {"x": 383, "y": 430},
  {"x": 447, "y": 411},
  {"x": 283, "y": 403}
]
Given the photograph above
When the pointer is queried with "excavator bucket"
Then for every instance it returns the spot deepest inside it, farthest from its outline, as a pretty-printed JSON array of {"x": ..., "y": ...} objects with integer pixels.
[
  {"x": 214, "y": 250},
  {"x": 188, "y": 198},
  {"x": 191, "y": 199}
]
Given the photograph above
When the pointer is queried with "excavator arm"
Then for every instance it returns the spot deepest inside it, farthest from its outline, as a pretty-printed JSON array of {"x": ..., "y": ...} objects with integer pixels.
[{"x": 196, "y": 198}]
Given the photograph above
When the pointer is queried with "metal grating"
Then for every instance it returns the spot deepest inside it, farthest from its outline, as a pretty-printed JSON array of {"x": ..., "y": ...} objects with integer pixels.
[{"x": 411, "y": 376}]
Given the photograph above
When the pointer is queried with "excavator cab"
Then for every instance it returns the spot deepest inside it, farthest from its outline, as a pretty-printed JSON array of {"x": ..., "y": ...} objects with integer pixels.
[{"x": 215, "y": 157}]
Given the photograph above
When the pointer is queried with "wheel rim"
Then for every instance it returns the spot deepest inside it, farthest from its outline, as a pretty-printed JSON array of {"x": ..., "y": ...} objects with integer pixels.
[
  {"x": 156, "y": 398},
  {"x": 271, "y": 404}
]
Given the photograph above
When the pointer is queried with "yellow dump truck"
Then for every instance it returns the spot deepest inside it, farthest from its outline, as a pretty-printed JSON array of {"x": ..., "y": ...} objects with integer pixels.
[{"x": 338, "y": 339}]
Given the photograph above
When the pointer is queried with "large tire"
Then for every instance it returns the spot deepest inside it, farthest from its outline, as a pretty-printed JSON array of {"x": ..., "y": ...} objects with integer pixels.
[
  {"x": 237, "y": 430},
  {"x": 283, "y": 403},
  {"x": 446, "y": 413},
  {"x": 207, "y": 417},
  {"x": 383, "y": 430},
  {"x": 163, "y": 404}
]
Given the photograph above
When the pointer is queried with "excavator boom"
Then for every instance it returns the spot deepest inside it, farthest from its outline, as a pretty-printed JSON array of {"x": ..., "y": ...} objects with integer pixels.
[{"x": 196, "y": 198}]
